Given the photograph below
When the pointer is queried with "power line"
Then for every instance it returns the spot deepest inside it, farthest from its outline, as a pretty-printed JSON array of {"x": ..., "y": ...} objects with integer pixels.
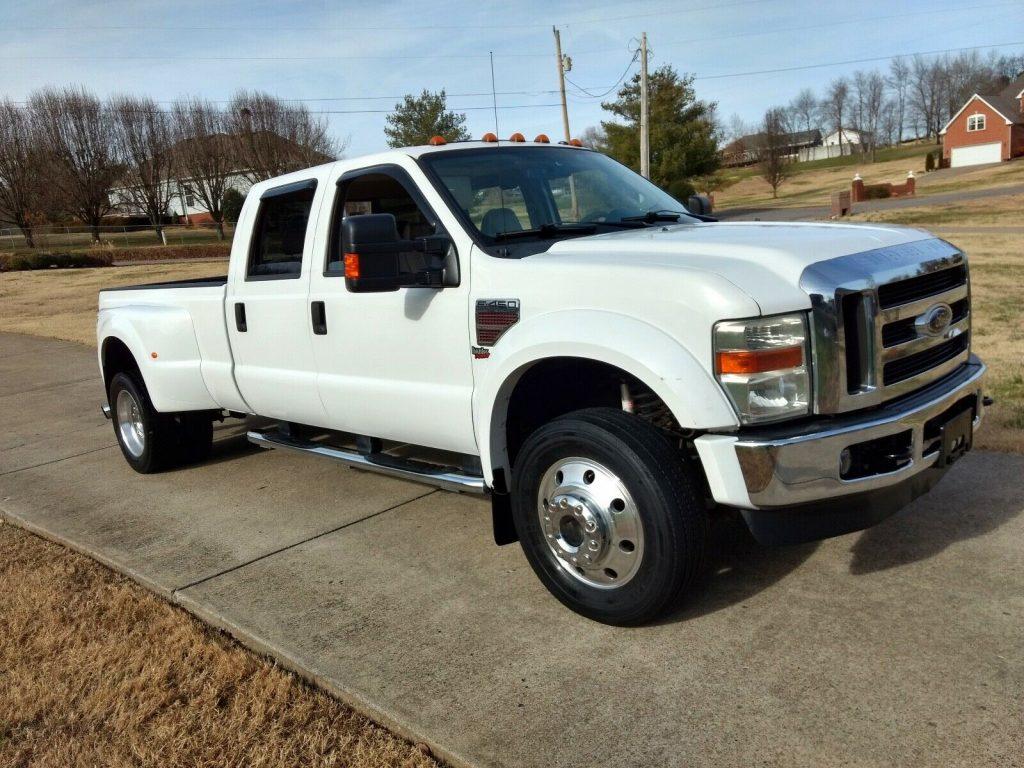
[
  {"x": 23, "y": 105},
  {"x": 611, "y": 88}
]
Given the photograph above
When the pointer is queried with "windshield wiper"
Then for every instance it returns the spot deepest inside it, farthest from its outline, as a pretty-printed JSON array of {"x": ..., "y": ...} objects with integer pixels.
[
  {"x": 650, "y": 217},
  {"x": 548, "y": 231}
]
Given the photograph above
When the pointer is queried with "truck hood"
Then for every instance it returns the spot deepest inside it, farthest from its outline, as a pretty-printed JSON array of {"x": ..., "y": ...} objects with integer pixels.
[{"x": 764, "y": 260}]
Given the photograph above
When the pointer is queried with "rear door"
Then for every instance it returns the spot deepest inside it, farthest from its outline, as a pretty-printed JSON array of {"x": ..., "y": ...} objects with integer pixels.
[
  {"x": 395, "y": 365},
  {"x": 267, "y": 308}
]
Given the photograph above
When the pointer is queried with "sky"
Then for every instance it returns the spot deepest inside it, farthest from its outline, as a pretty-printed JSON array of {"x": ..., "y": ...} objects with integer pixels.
[{"x": 352, "y": 61}]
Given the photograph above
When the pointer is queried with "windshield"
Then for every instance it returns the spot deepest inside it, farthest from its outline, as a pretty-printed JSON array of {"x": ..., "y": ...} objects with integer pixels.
[{"x": 547, "y": 192}]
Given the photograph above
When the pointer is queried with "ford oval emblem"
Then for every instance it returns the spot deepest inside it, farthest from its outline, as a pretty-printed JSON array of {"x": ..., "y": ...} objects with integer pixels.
[{"x": 934, "y": 321}]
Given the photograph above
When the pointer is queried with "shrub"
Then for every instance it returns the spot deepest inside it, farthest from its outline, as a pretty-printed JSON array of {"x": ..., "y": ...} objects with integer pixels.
[
  {"x": 12, "y": 262},
  {"x": 929, "y": 162},
  {"x": 175, "y": 252},
  {"x": 231, "y": 205},
  {"x": 877, "y": 191}
]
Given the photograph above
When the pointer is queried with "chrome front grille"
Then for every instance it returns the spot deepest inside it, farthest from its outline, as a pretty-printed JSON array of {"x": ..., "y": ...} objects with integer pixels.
[{"x": 886, "y": 322}]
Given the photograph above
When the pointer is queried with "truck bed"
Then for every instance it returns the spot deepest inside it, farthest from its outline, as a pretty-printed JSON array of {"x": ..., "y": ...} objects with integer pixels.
[{"x": 195, "y": 282}]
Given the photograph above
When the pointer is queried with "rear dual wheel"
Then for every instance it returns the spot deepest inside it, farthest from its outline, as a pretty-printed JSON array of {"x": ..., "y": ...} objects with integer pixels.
[
  {"x": 608, "y": 516},
  {"x": 151, "y": 441}
]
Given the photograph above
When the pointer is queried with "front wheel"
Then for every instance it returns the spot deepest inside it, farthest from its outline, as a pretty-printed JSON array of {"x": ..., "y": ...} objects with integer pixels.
[{"x": 607, "y": 515}]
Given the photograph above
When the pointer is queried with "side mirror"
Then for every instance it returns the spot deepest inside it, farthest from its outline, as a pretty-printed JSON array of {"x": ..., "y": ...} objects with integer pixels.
[
  {"x": 371, "y": 252},
  {"x": 371, "y": 255}
]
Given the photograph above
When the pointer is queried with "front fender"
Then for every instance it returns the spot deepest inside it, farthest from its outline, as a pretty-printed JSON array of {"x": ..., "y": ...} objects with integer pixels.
[
  {"x": 163, "y": 342},
  {"x": 640, "y": 349}
]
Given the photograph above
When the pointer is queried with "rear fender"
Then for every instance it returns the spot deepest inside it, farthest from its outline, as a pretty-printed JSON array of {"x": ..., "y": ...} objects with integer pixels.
[{"x": 163, "y": 342}]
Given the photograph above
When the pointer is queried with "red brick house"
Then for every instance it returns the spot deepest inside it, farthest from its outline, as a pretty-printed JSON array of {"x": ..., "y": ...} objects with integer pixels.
[{"x": 987, "y": 129}]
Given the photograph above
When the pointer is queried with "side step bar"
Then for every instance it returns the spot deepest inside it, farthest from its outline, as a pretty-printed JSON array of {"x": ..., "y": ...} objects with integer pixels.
[{"x": 406, "y": 469}]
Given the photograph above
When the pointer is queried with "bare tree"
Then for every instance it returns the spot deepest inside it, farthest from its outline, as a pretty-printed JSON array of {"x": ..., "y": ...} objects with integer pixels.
[
  {"x": 76, "y": 130},
  {"x": 836, "y": 105},
  {"x": 804, "y": 110},
  {"x": 773, "y": 147},
  {"x": 869, "y": 98},
  {"x": 272, "y": 137},
  {"x": 20, "y": 170},
  {"x": 203, "y": 155},
  {"x": 926, "y": 89},
  {"x": 143, "y": 139},
  {"x": 899, "y": 82}
]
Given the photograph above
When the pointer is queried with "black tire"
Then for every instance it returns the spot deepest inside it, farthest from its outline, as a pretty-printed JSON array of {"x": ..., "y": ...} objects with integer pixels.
[
  {"x": 160, "y": 440},
  {"x": 664, "y": 496}
]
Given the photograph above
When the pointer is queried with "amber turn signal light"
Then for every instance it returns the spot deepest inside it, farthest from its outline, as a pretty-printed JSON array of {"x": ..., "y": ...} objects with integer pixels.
[
  {"x": 351, "y": 265},
  {"x": 759, "y": 360}
]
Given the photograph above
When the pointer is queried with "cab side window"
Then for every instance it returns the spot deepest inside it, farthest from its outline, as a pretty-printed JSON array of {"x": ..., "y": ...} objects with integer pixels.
[
  {"x": 380, "y": 193},
  {"x": 280, "y": 232}
]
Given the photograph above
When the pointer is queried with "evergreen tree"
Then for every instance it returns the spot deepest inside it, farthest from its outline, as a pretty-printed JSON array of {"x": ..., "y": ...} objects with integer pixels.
[
  {"x": 417, "y": 119},
  {"x": 683, "y": 141}
]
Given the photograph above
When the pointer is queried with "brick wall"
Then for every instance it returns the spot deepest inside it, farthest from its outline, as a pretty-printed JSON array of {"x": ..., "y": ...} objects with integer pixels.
[{"x": 957, "y": 134}]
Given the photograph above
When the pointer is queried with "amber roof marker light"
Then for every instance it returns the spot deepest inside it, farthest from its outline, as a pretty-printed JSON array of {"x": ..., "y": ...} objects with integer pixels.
[
  {"x": 575, "y": 143},
  {"x": 490, "y": 137},
  {"x": 437, "y": 141},
  {"x": 517, "y": 137},
  {"x": 542, "y": 138}
]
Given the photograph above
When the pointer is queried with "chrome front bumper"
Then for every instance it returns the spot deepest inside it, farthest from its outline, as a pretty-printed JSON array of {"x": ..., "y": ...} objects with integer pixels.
[{"x": 800, "y": 464}]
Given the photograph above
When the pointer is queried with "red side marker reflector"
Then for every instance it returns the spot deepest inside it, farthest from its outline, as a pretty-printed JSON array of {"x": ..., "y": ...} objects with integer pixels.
[
  {"x": 760, "y": 360},
  {"x": 351, "y": 265}
]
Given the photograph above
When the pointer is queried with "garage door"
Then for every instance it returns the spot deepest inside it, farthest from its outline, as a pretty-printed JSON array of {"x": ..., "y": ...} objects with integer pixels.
[{"x": 976, "y": 155}]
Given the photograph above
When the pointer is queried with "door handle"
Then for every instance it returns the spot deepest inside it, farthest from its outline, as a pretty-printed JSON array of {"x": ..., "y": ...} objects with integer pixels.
[
  {"x": 319, "y": 314},
  {"x": 240, "y": 317}
]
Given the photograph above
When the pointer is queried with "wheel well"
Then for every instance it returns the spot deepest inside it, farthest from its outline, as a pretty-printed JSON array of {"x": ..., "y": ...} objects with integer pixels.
[
  {"x": 555, "y": 386},
  {"x": 117, "y": 358}
]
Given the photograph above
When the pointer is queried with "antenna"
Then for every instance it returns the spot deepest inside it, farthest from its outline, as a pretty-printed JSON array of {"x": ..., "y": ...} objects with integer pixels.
[{"x": 494, "y": 97}]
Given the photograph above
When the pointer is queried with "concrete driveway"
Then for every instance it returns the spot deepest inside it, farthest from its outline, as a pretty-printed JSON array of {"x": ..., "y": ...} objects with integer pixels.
[{"x": 902, "y": 645}]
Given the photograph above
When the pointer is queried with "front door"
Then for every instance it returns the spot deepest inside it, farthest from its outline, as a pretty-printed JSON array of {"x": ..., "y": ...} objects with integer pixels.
[
  {"x": 267, "y": 311},
  {"x": 395, "y": 365}
]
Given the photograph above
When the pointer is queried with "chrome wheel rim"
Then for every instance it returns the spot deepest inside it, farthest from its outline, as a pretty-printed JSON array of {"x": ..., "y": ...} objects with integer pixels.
[
  {"x": 129, "y": 423},
  {"x": 590, "y": 523}
]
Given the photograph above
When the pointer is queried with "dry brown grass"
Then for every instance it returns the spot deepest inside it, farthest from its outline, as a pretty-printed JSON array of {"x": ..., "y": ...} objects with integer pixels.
[
  {"x": 95, "y": 671},
  {"x": 998, "y": 211},
  {"x": 61, "y": 304}
]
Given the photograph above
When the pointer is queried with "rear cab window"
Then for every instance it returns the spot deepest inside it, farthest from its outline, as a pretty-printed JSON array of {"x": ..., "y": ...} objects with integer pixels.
[{"x": 279, "y": 236}]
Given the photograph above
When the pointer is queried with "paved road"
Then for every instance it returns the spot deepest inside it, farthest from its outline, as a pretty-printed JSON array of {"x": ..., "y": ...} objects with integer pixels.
[
  {"x": 808, "y": 213},
  {"x": 902, "y": 645}
]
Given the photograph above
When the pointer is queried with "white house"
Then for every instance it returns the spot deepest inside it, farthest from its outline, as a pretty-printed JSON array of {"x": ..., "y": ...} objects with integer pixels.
[{"x": 849, "y": 136}]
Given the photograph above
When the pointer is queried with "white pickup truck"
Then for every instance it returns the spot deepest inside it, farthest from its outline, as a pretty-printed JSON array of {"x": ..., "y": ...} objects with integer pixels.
[{"x": 537, "y": 323}]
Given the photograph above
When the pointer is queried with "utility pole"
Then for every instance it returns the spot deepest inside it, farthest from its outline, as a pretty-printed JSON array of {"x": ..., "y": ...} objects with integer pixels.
[
  {"x": 564, "y": 64},
  {"x": 645, "y": 143},
  {"x": 561, "y": 80}
]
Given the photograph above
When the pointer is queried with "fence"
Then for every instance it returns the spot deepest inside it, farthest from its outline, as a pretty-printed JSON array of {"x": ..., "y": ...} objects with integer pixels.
[{"x": 54, "y": 236}]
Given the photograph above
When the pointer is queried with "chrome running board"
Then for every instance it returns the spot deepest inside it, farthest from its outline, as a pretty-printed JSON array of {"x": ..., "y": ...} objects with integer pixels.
[{"x": 406, "y": 469}]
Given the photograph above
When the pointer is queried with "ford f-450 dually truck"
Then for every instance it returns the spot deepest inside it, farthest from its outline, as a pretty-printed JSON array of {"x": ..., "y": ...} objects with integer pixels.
[{"x": 537, "y": 323}]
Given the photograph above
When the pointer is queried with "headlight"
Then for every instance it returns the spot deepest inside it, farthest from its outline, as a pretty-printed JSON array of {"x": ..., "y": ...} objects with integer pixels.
[{"x": 761, "y": 364}]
